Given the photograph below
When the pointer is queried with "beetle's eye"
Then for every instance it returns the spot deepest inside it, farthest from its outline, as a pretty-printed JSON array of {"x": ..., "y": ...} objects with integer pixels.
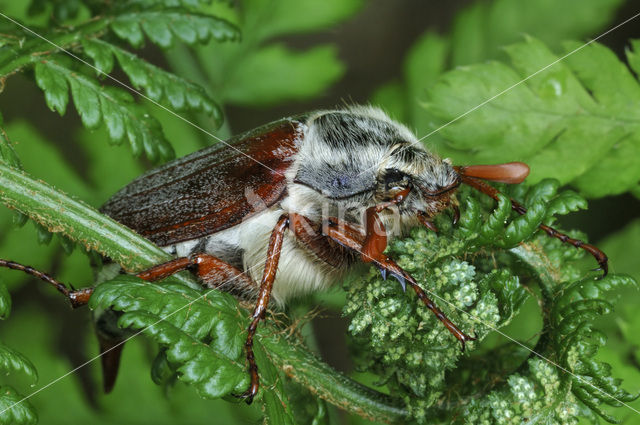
[{"x": 395, "y": 179}]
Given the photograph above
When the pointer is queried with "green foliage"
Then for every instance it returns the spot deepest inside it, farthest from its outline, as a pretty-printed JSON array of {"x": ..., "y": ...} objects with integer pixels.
[
  {"x": 546, "y": 120},
  {"x": 473, "y": 274},
  {"x": 13, "y": 409},
  {"x": 250, "y": 73},
  {"x": 574, "y": 114},
  {"x": 95, "y": 104},
  {"x": 163, "y": 26},
  {"x": 200, "y": 335},
  {"x": 7, "y": 153},
  {"x": 55, "y": 74},
  {"x": 159, "y": 85},
  {"x": 215, "y": 368}
]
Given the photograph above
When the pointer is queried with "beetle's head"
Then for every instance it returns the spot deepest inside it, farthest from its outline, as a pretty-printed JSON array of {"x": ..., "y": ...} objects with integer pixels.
[{"x": 360, "y": 157}]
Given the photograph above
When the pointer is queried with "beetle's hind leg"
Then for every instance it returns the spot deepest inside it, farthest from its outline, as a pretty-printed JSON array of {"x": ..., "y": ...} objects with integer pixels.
[
  {"x": 491, "y": 191},
  {"x": 77, "y": 298}
]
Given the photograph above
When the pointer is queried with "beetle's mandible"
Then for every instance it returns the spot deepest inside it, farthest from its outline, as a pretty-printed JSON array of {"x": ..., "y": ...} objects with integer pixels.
[{"x": 289, "y": 207}]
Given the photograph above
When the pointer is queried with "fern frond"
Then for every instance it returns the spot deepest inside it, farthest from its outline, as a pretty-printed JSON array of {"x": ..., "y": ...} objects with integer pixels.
[
  {"x": 163, "y": 27},
  {"x": 123, "y": 118},
  {"x": 13, "y": 409},
  {"x": 158, "y": 84},
  {"x": 470, "y": 273},
  {"x": 571, "y": 121}
]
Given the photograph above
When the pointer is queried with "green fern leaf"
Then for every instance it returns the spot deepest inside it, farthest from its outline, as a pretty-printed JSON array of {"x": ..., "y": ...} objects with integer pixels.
[
  {"x": 14, "y": 409},
  {"x": 7, "y": 153},
  {"x": 162, "y": 26},
  {"x": 550, "y": 119},
  {"x": 5, "y": 302},
  {"x": 13, "y": 361},
  {"x": 201, "y": 333},
  {"x": 147, "y": 4},
  {"x": 478, "y": 33},
  {"x": 465, "y": 269},
  {"x": 95, "y": 104},
  {"x": 158, "y": 84}
]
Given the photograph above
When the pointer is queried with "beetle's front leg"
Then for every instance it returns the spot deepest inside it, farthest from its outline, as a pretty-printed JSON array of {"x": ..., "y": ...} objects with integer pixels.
[
  {"x": 352, "y": 238},
  {"x": 268, "y": 276},
  {"x": 491, "y": 191},
  {"x": 375, "y": 241}
]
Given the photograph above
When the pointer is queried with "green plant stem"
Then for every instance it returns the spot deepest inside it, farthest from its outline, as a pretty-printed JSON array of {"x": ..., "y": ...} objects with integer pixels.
[
  {"x": 79, "y": 222},
  {"x": 330, "y": 385},
  {"x": 83, "y": 224},
  {"x": 535, "y": 259}
]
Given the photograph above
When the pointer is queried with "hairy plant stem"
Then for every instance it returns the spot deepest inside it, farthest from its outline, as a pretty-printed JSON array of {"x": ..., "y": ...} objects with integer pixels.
[
  {"x": 79, "y": 222},
  {"x": 325, "y": 382}
]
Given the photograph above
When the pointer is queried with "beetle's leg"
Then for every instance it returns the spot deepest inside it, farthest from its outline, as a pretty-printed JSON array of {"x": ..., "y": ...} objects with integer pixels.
[
  {"x": 375, "y": 241},
  {"x": 268, "y": 276},
  {"x": 208, "y": 268},
  {"x": 211, "y": 270},
  {"x": 491, "y": 191},
  {"x": 352, "y": 238},
  {"x": 422, "y": 218},
  {"x": 77, "y": 298},
  {"x": 456, "y": 213}
]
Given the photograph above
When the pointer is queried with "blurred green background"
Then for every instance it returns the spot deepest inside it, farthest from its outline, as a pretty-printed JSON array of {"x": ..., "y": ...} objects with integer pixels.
[{"x": 330, "y": 53}]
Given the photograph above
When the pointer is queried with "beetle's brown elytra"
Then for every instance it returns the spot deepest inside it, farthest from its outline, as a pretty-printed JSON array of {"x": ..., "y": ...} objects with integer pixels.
[{"x": 344, "y": 182}]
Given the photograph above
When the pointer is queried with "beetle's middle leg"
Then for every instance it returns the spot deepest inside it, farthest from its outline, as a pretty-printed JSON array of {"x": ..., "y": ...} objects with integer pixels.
[{"x": 266, "y": 285}]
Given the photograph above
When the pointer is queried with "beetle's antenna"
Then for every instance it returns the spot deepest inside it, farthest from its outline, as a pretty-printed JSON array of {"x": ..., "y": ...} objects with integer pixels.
[{"x": 77, "y": 298}]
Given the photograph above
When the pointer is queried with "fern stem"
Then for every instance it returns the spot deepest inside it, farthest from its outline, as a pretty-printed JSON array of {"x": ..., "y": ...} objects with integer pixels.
[
  {"x": 330, "y": 385},
  {"x": 535, "y": 259},
  {"x": 79, "y": 222}
]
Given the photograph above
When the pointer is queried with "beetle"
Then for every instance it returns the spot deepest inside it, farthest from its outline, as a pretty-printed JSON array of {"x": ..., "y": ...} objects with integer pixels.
[{"x": 343, "y": 182}]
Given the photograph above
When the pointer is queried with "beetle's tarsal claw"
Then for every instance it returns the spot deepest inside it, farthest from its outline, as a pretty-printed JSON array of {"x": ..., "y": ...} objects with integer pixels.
[
  {"x": 383, "y": 273},
  {"x": 402, "y": 281},
  {"x": 456, "y": 215},
  {"x": 604, "y": 270},
  {"x": 247, "y": 396},
  {"x": 464, "y": 338}
]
